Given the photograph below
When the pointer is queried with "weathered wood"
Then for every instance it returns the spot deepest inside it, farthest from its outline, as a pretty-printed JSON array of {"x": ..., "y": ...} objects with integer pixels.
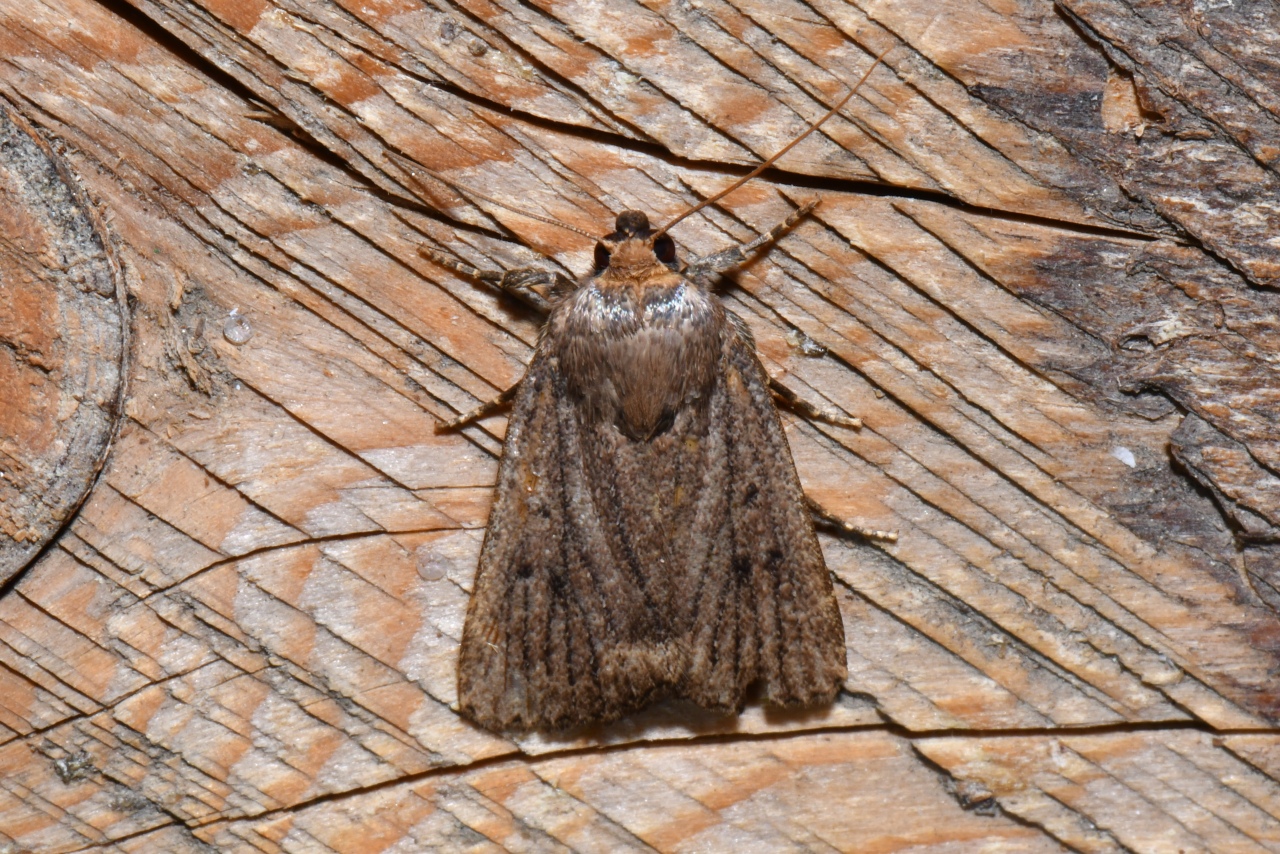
[
  {"x": 1207, "y": 79},
  {"x": 247, "y": 636},
  {"x": 63, "y": 344},
  {"x": 1183, "y": 791}
]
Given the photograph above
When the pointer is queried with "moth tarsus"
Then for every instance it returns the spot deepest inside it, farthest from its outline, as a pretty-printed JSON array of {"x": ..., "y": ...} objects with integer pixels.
[
  {"x": 735, "y": 255},
  {"x": 521, "y": 284},
  {"x": 486, "y": 408},
  {"x": 649, "y": 537},
  {"x": 794, "y": 402},
  {"x": 825, "y": 517}
]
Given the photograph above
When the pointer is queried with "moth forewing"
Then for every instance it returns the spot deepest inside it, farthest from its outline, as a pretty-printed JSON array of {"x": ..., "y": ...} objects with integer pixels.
[{"x": 650, "y": 536}]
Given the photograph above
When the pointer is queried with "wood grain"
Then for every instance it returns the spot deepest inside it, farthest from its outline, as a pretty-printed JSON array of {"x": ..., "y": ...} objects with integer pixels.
[
  {"x": 1040, "y": 274},
  {"x": 63, "y": 344}
]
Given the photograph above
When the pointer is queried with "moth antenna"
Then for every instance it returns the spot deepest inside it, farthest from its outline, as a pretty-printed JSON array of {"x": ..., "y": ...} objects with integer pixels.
[
  {"x": 765, "y": 165},
  {"x": 408, "y": 166}
]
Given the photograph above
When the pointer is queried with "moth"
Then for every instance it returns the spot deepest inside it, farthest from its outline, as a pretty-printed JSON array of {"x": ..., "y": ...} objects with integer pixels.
[{"x": 650, "y": 537}]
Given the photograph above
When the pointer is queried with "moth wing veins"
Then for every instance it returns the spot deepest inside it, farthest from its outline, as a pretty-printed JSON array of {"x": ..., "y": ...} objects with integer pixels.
[
  {"x": 616, "y": 572},
  {"x": 556, "y": 634}
]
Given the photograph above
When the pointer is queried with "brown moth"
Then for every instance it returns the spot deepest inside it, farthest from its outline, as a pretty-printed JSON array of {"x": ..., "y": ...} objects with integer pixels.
[{"x": 650, "y": 537}]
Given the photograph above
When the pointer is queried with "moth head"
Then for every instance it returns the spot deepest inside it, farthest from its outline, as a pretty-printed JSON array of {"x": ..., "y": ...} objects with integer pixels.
[{"x": 633, "y": 244}]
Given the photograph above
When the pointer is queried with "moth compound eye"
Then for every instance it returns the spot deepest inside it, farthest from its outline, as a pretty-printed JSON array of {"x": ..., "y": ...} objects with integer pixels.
[
  {"x": 665, "y": 248},
  {"x": 602, "y": 256}
]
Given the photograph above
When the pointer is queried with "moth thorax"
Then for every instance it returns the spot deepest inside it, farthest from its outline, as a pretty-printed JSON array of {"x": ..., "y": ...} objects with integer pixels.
[{"x": 632, "y": 256}]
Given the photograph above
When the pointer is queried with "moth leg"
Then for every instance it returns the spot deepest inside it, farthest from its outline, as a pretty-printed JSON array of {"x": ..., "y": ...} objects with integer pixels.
[
  {"x": 823, "y": 516},
  {"x": 519, "y": 283},
  {"x": 792, "y": 401},
  {"x": 735, "y": 255},
  {"x": 479, "y": 412}
]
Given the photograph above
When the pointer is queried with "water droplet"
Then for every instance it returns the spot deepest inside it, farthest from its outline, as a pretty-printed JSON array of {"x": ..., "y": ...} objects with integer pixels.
[
  {"x": 432, "y": 566},
  {"x": 237, "y": 329}
]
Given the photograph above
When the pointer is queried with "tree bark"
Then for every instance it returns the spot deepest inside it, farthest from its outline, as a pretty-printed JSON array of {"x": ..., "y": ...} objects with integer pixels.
[{"x": 1041, "y": 273}]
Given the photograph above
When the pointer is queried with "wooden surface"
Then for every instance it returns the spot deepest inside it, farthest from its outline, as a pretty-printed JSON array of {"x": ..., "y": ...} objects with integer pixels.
[
  {"x": 1041, "y": 273},
  {"x": 63, "y": 344}
]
